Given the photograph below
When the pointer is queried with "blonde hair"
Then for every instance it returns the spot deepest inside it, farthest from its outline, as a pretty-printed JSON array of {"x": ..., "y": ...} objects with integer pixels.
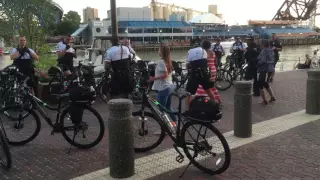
[{"x": 166, "y": 56}]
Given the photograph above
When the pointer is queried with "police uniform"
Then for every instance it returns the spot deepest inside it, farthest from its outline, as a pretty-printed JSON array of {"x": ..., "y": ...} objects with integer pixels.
[
  {"x": 218, "y": 51},
  {"x": 238, "y": 48},
  {"x": 67, "y": 60},
  {"x": 25, "y": 63},
  {"x": 198, "y": 71},
  {"x": 121, "y": 78},
  {"x": 275, "y": 43}
]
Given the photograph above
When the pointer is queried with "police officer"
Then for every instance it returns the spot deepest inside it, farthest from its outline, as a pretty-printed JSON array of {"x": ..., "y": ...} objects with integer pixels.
[
  {"x": 218, "y": 51},
  {"x": 23, "y": 58},
  {"x": 65, "y": 55},
  {"x": 238, "y": 49},
  {"x": 251, "y": 54},
  {"x": 126, "y": 42},
  {"x": 276, "y": 46},
  {"x": 198, "y": 71},
  {"x": 117, "y": 58}
]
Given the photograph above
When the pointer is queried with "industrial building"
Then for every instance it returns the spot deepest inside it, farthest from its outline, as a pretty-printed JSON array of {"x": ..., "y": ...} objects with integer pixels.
[{"x": 90, "y": 14}]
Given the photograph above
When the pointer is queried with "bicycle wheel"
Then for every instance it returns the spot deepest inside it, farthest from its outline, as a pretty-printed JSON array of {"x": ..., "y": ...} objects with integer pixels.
[
  {"x": 223, "y": 80},
  {"x": 19, "y": 123},
  {"x": 154, "y": 128},
  {"x": 104, "y": 91},
  {"x": 7, "y": 160},
  {"x": 82, "y": 128},
  {"x": 200, "y": 147}
]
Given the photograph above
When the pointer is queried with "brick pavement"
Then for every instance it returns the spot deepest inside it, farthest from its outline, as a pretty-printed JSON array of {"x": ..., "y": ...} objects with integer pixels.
[
  {"x": 46, "y": 157},
  {"x": 290, "y": 155}
]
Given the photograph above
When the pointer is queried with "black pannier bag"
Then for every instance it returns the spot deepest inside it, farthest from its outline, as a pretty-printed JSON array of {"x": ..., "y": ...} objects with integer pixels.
[
  {"x": 53, "y": 71},
  {"x": 205, "y": 109},
  {"x": 88, "y": 75},
  {"x": 79, "y": 96}
]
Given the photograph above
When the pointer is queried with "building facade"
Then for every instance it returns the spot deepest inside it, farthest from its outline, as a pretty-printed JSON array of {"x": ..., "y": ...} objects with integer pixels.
[
  {"x": 132, "y": 14},
  {"x": 90, "y": 14}
]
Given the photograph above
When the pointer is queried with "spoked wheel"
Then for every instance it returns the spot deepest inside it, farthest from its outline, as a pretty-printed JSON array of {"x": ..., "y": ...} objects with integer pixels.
[
  {"x": 88, "y": 132},
  {"x": 104, "y": 91},
  {"x": 20, "y": 129},
  {"x": 223, "y": 80},
  {"x": 5, "y": 155},
  {"x": 148, "y": 131},
  {"x": 200, "y": 140}
]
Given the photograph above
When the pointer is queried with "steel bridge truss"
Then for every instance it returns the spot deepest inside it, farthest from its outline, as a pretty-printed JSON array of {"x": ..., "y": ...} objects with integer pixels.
[{"x": 296, "y": 10}]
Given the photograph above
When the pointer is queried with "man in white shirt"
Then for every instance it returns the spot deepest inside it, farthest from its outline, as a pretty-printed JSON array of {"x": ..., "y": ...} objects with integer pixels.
[
  {"x": 118, "y": 59},
  {"x": 65, "y": 55}
]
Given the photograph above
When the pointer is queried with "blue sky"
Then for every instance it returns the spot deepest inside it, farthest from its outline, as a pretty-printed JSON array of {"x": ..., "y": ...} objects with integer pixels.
[{"x": 234, "y": 11}]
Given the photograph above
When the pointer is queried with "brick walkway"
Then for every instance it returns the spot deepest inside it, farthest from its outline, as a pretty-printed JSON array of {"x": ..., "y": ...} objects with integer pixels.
[
  {"x": 291, "y": 155},
  {"x": 47, "y": 158}
]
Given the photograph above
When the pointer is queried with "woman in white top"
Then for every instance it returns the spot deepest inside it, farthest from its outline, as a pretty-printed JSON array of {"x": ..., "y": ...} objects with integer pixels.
[{"x": 163, "y": 78}]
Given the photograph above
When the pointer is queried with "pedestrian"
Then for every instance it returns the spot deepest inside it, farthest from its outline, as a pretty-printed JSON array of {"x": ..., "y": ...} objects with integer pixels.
[
  {"x": 276, "y": 47},
  {"x": 265, "y": 64}
]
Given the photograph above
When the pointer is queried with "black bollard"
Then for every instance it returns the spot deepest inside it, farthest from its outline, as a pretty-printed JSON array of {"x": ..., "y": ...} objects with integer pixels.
[
  {"x": 313, "y": 90},
  {"x": 243, "y": 109},
  {"x": 121, "y": 149}
]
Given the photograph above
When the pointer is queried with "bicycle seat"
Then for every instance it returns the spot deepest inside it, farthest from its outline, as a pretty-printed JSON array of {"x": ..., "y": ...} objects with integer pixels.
[
  {"x": 181, "y": 95},
  {"x": 61, "y": 96}
]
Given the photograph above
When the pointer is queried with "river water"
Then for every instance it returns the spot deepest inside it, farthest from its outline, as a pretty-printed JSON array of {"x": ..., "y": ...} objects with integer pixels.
[{"x": 288, "y": 57}]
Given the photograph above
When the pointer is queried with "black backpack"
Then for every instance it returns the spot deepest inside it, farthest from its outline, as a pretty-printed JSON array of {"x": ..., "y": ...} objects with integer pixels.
[{"x": 204, "y": 109}]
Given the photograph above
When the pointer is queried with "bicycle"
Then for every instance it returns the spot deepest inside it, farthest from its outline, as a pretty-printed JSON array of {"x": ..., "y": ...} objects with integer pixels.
[
  {"x": 58, "y": 126},
  {"x": 7, "y": 161},
  {"x": 158, "y": 113}
]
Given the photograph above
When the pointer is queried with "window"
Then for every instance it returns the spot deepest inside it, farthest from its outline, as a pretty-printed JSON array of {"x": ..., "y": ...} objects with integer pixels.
[
  {"x": 135, "y": 30},
  {"x": 165, "y": 30},
  {"x": 150, "y": 30}
]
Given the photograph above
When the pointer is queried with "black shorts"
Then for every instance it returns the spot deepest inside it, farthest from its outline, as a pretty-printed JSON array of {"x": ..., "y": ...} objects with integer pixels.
[
  {"x": 199, "y": 77},
  {"x": 65, "y": 65},
  {"x": 121, "y": 82},
  {"x": 262, "y": 80}
]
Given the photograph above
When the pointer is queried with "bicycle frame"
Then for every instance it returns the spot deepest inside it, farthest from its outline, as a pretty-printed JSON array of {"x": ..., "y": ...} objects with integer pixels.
[{"x": 157, "y": 109}]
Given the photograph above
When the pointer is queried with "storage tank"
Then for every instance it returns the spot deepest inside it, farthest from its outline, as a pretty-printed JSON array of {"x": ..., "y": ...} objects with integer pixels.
[
  {"x": 158, "y": 12},
  {"x": 213, "y": 9},
  {"x": 166, "y": 12},
  {"x": 189, "y": 15}
]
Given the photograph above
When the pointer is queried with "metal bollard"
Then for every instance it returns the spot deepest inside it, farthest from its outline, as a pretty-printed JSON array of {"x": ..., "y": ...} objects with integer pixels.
[
  {"x": 121, "y": 151},
  {"x": 313, "y": 90},
  {"x": 243, "y": 109}
]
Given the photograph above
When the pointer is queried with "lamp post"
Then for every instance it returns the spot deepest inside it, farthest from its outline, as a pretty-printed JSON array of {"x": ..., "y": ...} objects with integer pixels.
[{"x": 114, "y": 22}]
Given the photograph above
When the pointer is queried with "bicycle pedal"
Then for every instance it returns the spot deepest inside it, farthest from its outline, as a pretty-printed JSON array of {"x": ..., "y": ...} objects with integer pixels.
[{"x": 180, "y": 158}]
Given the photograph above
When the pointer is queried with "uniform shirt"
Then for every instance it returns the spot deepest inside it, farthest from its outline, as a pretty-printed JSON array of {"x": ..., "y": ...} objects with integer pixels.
[
  {"x": 61, "y": 46},
  {"x": 238, "y": 46},
  {"x": 217, "y": 48},
  {"x": 196, "y": 54},
  {"x": 25, "y": 56},
  {"x": 114, "y": 53}
]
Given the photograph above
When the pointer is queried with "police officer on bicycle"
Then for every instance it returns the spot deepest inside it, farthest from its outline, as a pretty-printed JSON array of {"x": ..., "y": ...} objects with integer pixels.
[
  {"x": 198, "y": 70},
  {"x": 218, "y": 51},
  {"x": 23, "y": 58},
  {"x": 251, "y": 55},
  {"x": 237, "y": 50},
  {"x": 117, "y": 60}
]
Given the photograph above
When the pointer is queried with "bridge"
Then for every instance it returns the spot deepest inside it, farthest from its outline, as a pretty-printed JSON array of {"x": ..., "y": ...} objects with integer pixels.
[{"x": 59, "y": 10}]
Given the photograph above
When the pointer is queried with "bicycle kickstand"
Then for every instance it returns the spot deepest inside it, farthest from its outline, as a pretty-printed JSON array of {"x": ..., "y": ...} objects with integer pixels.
[{"x": 180, "y": 177}]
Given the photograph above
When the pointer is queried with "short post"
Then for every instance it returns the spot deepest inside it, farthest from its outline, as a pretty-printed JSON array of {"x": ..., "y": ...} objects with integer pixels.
[
  {"x": 121, "y": 151},
  {"x": 313, "y": 90},
  {"x": 243, "y": 109}
]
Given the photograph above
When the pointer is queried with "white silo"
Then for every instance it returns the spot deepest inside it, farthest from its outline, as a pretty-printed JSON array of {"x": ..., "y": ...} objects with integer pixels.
[{"x": 166, "y": 12}]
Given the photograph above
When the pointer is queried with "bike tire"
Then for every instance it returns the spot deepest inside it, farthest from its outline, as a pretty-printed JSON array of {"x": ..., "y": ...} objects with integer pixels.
[
  {"x": 161, "y": 136},
  {"x": 220, "y": 137},
  {"x": 30, "y": 112},
  {"x": 104, "y": 91},
  {"x": 6, "y": 150},
  {"x": 222, "y": 75},
  {"x": 78, "y": 145}
]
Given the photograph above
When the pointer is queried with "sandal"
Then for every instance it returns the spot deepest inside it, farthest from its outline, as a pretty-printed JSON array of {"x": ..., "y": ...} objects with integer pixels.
[
  {"x": 272, "y": 100},
  {"x": 264, "y": 103}
]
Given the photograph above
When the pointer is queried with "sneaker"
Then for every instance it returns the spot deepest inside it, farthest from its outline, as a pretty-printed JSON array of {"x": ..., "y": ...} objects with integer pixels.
[{"x": 272, "y": 100}]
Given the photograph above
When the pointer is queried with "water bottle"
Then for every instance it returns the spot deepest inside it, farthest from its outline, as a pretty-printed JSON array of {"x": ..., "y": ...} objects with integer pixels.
[{"x": 170, "y": 124}]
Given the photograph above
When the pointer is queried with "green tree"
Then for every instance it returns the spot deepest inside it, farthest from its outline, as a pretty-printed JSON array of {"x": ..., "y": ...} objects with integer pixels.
[
  {"x": 70, "y": 23},
  {"x": 31, "y": 18}
]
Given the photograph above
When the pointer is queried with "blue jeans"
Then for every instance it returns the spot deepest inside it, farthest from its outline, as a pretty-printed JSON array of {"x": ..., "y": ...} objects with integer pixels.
[{"x": 164, "y": 99}]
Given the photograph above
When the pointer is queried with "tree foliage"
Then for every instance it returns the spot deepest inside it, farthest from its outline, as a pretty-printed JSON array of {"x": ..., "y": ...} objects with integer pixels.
[
  {"x": 31, "y": 18},
  {"x": 69, "y": 23}
]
